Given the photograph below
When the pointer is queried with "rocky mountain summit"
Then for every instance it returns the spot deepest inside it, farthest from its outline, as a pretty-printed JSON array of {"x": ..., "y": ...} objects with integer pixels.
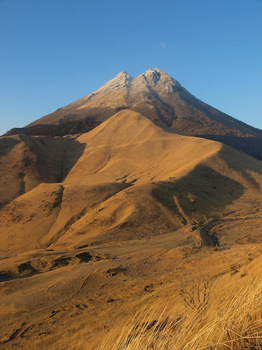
[{"x": 157, "y": 96}]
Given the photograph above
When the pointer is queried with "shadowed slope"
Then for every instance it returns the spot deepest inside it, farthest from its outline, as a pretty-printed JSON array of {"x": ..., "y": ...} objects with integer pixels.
[{"x": 28, "y": 161}]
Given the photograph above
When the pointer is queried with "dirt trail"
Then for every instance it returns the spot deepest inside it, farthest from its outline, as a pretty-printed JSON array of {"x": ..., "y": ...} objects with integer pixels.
[{"x": 211, "y": 240}]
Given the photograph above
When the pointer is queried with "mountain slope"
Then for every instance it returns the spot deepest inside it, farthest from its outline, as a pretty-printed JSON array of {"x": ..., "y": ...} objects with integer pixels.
[
  {"x": 128, "y": 178},
  {"x": 26, "y": 161}
]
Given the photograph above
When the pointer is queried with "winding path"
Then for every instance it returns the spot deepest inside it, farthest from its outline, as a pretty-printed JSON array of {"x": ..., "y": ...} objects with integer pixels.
[{"x": 210, "y": 240}]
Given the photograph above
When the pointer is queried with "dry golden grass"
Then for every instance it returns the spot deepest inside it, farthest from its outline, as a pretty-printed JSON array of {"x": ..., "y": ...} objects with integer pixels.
[
  {"x": 125, "y": 179},
  {"x": 233, "y": 323}
]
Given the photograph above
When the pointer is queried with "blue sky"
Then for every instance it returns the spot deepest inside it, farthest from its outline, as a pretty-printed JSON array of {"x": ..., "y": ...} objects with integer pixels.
[{"x": 53, "y": 52}]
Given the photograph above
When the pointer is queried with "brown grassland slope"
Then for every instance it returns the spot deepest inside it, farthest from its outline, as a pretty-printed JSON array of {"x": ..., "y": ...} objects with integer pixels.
[{"x": 101, "y": 244}]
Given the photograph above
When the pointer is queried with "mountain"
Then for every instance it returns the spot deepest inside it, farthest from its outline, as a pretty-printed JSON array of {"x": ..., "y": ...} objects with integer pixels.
[
  {"x": 157, "y": 96},
  {"x": 104, "y": 229}
]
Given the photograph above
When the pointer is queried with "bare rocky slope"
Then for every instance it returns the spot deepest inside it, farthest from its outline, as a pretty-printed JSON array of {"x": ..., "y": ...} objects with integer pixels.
[{"x": 157, "y": 96}]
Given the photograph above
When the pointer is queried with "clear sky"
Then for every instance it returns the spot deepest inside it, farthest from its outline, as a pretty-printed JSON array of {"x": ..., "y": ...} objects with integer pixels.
[{"x": 53, "y": 52}]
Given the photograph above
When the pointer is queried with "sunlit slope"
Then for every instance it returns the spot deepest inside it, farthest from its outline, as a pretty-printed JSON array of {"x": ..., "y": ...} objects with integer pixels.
[
  {"x": 41, "y": 216},
  {"x": 130, "y": 148},
  {"x": 129, "y": 178}
]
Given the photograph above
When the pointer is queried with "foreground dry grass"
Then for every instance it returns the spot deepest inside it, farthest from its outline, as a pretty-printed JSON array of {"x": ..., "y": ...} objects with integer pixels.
[
  {"x": 190, "y": 297},
  {"x": 230, "y": 323}
]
